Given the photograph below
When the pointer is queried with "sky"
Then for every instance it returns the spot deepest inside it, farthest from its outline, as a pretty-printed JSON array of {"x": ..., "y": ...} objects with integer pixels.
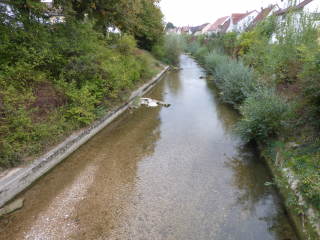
[{"x": 197, "y": 12}]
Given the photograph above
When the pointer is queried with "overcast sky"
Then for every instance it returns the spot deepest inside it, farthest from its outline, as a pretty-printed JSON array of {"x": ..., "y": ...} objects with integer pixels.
[{"x": 196, "y": 12}]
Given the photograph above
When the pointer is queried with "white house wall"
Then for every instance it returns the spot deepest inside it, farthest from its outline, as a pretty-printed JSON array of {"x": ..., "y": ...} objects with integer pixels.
[
  {"x": 243, "y": 23},
  {"x": 312, "y": 7},
  {"x": 246, "y": 21}
]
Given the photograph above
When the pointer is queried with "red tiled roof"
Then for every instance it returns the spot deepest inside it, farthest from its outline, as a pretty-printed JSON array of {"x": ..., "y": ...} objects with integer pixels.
[
  {"x": 216, "y": 24},
  {"x": 304, "y": 3},
  {"x": 236, "y": 16},
  {"x": 300, "y": 5},
  {"x": 185, "y": 29},
  {"x": 261, "y": 15},
  {"x": 243, "y": 16},
  {"x": 225, "y": 26}
]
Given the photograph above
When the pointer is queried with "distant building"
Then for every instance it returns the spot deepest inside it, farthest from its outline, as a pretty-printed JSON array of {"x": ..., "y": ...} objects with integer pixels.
[
  {"x": 185, "y": 30},
  {"x": 215, "y": 26},
  {"x": 202, "y": 29},
  {"x": 240, "y": 21},
  {"x": 265, "y": 12}
]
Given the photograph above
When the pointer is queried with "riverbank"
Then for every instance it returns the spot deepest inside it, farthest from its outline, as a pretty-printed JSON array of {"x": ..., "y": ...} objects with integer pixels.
[
  {"x": 304, "y": 215},
  {"x": 21, "y": 178},
  {"x": 303, "y": 222},
  {"x": 158, "y": 173}
]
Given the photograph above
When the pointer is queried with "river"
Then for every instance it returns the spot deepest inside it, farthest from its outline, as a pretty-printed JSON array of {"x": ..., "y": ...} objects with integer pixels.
[{"x": 158, "y": 173}]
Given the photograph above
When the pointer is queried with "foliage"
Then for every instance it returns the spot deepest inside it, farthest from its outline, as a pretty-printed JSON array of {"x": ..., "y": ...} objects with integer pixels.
[
  {"x": 193, "y": 46},
  {"x": 149, "y": 30},
  {"x": 235, "y": 80},
  {"x": 263, "y": 116},
  {"x": 173, "y": 46},
  {"x": 112, "y": 13},
  {"x": 58, "y": 78},
  {"x": 170, "y": 26},
  {"x": 227, "y": 42},
  {"x": 213, "y": 59},
  {"x": 201, "y": 39},
  {"x": 200, "y": 54}
]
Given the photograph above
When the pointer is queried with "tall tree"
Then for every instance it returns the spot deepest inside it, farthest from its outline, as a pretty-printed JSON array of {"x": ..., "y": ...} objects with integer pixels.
[
  {"x": 170, "y": 26},
  {"x": 149, "y": 30},
  {"x": 116, "y": 13}
]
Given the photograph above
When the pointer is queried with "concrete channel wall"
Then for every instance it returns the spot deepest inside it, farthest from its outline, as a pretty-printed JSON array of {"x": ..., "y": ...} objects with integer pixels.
[{"x": 20, "y": 179}]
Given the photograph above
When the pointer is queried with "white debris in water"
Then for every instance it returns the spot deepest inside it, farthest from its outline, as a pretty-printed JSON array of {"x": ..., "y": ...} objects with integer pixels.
[{"x": 152, "y": 103}]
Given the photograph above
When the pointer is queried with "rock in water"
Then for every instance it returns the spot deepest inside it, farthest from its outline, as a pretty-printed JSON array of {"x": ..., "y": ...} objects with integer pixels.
[{"x": 17, "y": 204}]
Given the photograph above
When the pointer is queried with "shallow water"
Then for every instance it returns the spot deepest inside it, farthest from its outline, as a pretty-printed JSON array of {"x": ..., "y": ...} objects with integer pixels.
[{"x": 158, "y": 173}]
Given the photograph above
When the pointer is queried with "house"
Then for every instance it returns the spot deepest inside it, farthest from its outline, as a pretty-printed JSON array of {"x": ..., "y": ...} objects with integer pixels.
[
  {"x": 310, "y": 6},
  {"x": 55, "y": 14},
  {"x": 173, "y": 31},
  {"x": 240, "y": 21},
  {"x": 185, "y": 30},
  {"x": 306, "y": 5},
  {"x": 215, "y": 26},
  {"x": 170, "y": 31},
  {"x": 225, "y": 26},
  {"x": 265, "y": 12},
  {"x": 202, "y": 29},
  {"x": 194, "y": 29}
]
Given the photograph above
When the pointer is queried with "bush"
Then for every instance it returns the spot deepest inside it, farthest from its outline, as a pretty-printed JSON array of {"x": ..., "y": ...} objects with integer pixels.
[
  {"x": 263, "y": 116},
  {"x": 283, "y": 58},
  {"x": 57, "y": 78},
  {"x": 201, "y": 39},
  {"x": 213, "y": 59},
  {"x": 126, "y": 44},
  {"x": 193, "y": 47},
  {"x": 227, "y": 42},
  {"x": 200, "y": 54},
  {"x": 235, "y": 80},
  {"x": 173, "y": 47}
]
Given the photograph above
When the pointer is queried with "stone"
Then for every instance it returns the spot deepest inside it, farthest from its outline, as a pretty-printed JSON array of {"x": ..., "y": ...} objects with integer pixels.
[{"x": 17, "y": 204}]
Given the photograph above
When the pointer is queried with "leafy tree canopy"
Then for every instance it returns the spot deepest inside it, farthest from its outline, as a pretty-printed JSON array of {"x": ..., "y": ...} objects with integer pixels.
[{"x": 170, "y": 26}]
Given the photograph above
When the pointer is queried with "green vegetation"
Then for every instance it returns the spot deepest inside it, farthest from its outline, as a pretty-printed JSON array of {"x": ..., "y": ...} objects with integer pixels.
[
  {"x": 275, "y": 85},
  {"x": 173, "y": 46},
  {"x": 170, "y": 26},
  {"x": 55, "y": 79}
]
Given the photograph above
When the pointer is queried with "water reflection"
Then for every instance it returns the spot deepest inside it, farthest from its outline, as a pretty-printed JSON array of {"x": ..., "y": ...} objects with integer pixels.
[{"x": 257, "y": 201}]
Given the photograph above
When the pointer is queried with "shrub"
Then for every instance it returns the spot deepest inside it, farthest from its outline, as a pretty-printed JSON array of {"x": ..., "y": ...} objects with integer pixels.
[
  {"x": 283, "y": 58},
  {"x": 227, "y": 42},
  {"x": 173, "y": 47},
  {"x": 201, "y": 39},
  {"x": 193, "y": 47},
  {"x": 263, "y": 116},
  {"x": 235, "y": 80},
  {"x": 126, "y": 45},
  {"x": 201, "y": 53},
  {"x": 213, "y": 59},
  {"x": 56, "y": 78}
]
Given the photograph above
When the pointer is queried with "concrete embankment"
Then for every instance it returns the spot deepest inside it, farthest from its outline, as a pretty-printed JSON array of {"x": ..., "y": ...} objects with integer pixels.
[
  {"x": 301, "y": 220},
  {"x": 20, "y": 179}
]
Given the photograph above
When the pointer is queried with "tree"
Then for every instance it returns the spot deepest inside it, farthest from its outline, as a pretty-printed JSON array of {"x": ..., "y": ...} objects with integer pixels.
[
  {"x": 108, "y": 13},
  {"x": 149, "y": 30},
  {"x": 140, "y": 18},
  {"x": 170, "y": 26}
]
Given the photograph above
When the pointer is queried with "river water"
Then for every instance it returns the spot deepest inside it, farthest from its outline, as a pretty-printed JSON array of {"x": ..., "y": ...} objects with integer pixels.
[{"x": 158, "y": 173}]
